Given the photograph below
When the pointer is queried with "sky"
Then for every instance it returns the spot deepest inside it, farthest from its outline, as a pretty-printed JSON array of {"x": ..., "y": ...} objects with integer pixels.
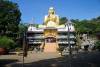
[{"x": 33, "y": 11}]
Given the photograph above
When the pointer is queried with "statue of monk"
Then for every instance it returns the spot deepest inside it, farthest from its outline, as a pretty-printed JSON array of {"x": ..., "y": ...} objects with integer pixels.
[{"x": 51, "y": 20}]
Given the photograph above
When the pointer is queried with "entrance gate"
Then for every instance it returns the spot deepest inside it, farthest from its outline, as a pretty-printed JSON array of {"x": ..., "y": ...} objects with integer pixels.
[{"x": 50, "y": 35}]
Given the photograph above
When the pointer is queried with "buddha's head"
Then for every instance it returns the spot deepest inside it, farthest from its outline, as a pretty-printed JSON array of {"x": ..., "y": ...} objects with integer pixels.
[{"x": 51, "y": 10}]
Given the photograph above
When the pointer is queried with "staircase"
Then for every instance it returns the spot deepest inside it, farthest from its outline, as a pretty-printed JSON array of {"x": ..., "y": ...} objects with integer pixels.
[{"x": 50, "y": 47}]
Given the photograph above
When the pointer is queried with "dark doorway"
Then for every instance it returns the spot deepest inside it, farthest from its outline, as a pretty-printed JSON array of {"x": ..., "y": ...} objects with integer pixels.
[{"x": 50, "y": 40}]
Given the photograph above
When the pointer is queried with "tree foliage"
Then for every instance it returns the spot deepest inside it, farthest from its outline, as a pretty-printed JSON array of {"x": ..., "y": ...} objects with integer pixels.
[
  {"x": 6, "y": 42},
  {"x": 97, "y": 44},
  {"x": 22, "y": 27},
  {"x": 9, "y": 16},
  {"x": 91, "y": 26},
  {"x": 63, "y": 20}
]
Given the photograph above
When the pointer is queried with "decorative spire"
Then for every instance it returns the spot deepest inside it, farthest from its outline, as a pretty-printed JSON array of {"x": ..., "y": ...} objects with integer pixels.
[
  {"x": 69, "y": 21},
  {"x": 51, "y": 8}
]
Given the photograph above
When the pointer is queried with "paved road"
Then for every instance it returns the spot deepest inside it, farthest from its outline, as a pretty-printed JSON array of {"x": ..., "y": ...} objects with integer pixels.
[{"x": 86, "y": 59}]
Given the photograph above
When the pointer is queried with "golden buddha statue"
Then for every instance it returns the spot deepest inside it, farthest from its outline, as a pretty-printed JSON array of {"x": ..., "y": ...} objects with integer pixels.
[{"x": 51, "y": 20}]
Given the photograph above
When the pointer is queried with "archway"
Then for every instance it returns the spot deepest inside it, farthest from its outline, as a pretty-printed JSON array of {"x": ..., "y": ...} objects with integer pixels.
[{"x": 50, "y": 40}]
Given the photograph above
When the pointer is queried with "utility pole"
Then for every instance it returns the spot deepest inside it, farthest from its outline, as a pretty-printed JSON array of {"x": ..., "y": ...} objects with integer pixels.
[
  {"x": 25, "y": 48},
  {"x": 70, "y": 52}
]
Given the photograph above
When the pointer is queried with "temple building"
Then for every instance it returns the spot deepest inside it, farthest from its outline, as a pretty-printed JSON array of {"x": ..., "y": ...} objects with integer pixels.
[{"x": 50, "y": 36}]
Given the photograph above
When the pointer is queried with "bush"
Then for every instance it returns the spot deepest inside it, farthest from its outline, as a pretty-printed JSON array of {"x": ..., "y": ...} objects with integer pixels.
[
  {"x": 97, "y": 45},
  {"x": 61, "y": 48},
  {"x": 18, "y": 49},
  {"x": 6, "y": 42}
]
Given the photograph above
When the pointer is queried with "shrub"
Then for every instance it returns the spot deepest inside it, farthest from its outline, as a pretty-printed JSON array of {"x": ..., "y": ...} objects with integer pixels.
[
  {"x": 97, "y": 45},
  {"x": 18, "y": 49},
  {"x": 61, "y": 48},
  {"x": 6, "y": 42}
]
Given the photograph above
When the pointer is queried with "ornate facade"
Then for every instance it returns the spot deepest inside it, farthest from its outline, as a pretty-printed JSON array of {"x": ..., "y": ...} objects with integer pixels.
[{"x": 51, "y": 35}]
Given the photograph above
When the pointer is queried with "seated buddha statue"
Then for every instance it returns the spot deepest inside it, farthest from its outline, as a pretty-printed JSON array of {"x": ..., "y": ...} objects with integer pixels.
[{"x": 51, "y": 20}]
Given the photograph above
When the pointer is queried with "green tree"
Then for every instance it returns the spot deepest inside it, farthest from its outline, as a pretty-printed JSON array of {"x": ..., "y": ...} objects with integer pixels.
[
  {"x": 98, "y": 18},
  {"x": 63, "y": 20},
  {"x": 9, "y": 16},
  {"x": 22, "y": 27},
  {"x": 97, "y": 27},
  {"x": 97, "y": 44},
  {"x": 96, "y": 23},
  {"x": 84, "y": 26},
  {"x": 6, "y": 42},
  {"x": 76, "y": 24},
  {"x": 75, "y": 20}
]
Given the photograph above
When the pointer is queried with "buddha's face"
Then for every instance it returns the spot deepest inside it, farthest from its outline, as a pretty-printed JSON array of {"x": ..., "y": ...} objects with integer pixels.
[{"x": 51, "y": 10}]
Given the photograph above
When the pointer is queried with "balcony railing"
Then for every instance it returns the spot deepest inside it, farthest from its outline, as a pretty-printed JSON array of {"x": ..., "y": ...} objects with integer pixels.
[
  {"x": 36, "y": 37},
  {"x": 65, "y": 42},
  {"x": 34, "y": 42},
  {"x": 66, "y": 36},
  {"x": 41, "y": 37}
]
